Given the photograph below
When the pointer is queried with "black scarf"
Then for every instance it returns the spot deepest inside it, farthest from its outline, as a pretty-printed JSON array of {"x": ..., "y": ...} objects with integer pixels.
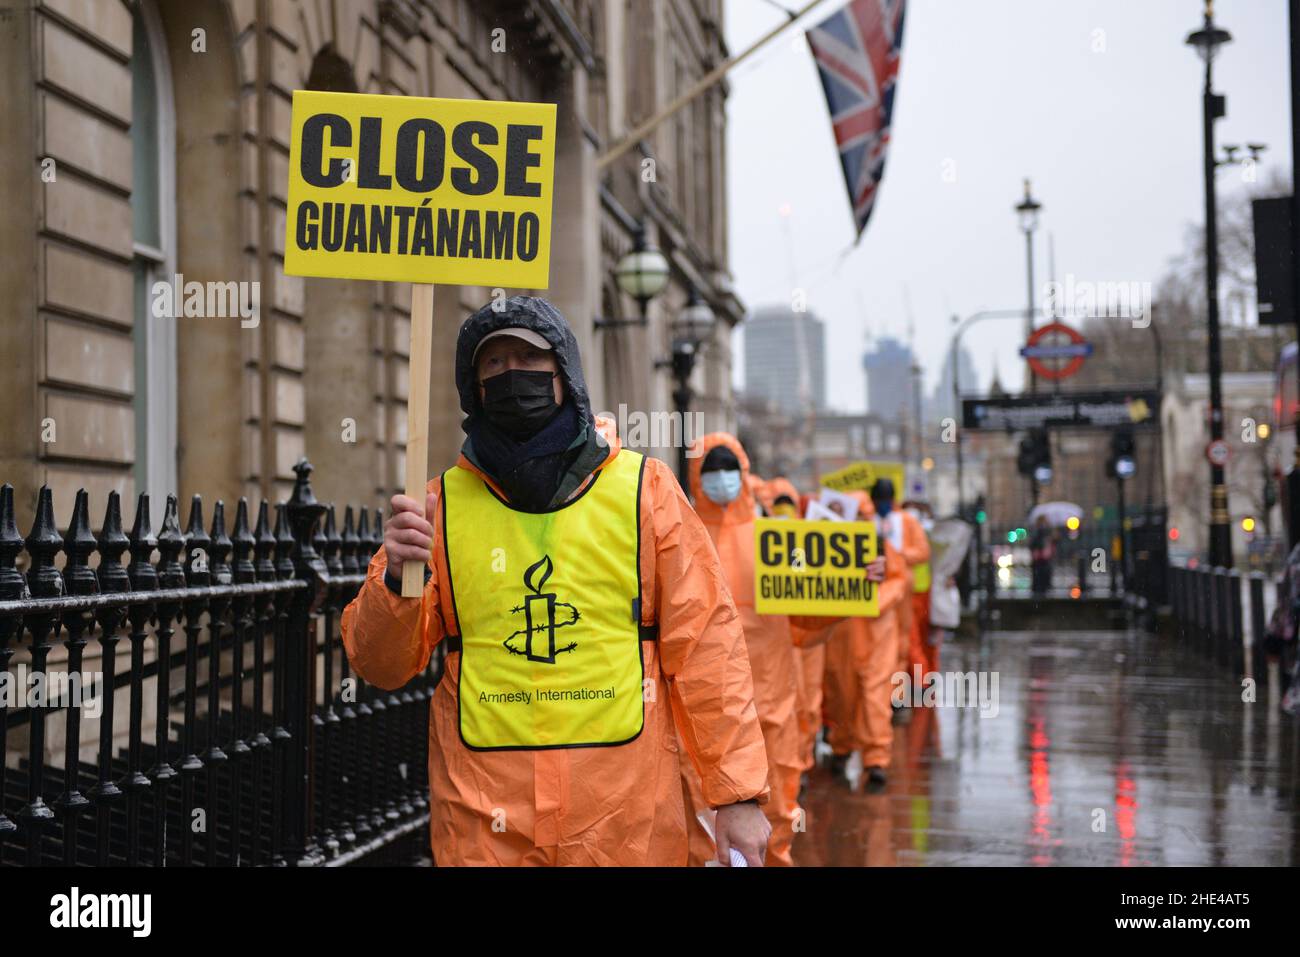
[{"x": 530, "y": 471}]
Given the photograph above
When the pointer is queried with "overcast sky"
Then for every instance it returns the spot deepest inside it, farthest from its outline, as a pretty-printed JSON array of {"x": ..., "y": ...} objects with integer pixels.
[{"x": 997, "y": 90}]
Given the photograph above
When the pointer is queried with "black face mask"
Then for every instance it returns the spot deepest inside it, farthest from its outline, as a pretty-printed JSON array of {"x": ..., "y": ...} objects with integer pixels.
[{"x": 519, "y": 401}]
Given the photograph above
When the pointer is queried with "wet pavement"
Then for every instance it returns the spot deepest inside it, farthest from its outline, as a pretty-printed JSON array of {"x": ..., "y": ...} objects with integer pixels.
[{"x": 1107, "y": 748}]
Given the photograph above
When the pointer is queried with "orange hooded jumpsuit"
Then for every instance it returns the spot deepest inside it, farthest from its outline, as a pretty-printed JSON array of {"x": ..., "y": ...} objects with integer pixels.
[
  {"x": 921, "y": 654},
  {"x": 809, "y": 653},
  {"x": 768, "y": 638},
  {"x": 861, "y": 659},
  {"x": 611, "y": 805},
  {"x": 915, "y": 550}
]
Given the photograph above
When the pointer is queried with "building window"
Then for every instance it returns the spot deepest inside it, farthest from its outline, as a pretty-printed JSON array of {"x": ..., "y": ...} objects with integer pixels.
[{"x": 153, "y": 212}]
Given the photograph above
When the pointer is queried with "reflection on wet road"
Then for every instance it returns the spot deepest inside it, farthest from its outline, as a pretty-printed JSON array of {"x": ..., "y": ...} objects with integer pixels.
[{"x": 1107, "y": 749}]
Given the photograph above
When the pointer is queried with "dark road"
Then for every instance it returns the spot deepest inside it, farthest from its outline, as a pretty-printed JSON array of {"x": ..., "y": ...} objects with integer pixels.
[{"x": 1106, "y": 748}]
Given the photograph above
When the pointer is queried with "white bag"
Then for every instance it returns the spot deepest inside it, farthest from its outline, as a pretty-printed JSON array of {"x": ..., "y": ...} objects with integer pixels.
[{"x": 945, "y": 606}]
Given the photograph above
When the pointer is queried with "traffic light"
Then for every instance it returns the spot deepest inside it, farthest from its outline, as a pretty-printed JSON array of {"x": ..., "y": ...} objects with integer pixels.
[
  {"x": 1035, "y": 456},
  {"x": 1121, "y": 464},
  {"x": 1025, "y": 458}
]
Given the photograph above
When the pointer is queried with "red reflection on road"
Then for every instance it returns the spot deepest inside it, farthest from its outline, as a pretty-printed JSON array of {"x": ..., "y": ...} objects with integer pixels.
[{"x": 1126, "y": 806}]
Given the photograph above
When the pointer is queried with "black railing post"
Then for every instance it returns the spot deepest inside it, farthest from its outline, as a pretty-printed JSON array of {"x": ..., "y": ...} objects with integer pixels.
[
  {"x": 44, "y": 581},
  {"x": 389, "y": 723},
  {"x": 1258, "y": 665},
  {"x": 214, "y": 758},
  {"x": 300, "y": 672},
  {"x": 1236, "y": 632},
  {"x": 1222, "y": 615},
  {"x": 12, "y": 588},
  {"x": 80, "y": 580},
  {"x": 347, "y": 692},
  {"x": 171, "y": 574},
  {"x": 242, "y": 573},
  {"x": 280, "y": 736},
  {"x": 263, "y": 749},
  {"x": 362, "y": 770},
  {"x": 112, "y": 578},
  {"x": 1204, "y": 592},
  {"x": 325, "y": 720},
  {"x": 197, "y": 546},
  {"x": 144, "y": 577}
]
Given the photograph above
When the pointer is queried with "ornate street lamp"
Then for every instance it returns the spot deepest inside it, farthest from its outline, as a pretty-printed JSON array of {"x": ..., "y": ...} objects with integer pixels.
[
  {"x": 1027, "y": 210},
  {"x": 693, "y": 326},
  {"x": 1206, "y": 42},
  {"x": 641, "y": 274}
]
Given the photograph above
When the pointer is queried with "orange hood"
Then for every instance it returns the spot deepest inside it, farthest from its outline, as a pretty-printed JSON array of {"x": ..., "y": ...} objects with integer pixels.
[
  {"x": 774, "y": 488},
  {"x": 736, "y": 512},
  {"x": 866, "y": 508}
]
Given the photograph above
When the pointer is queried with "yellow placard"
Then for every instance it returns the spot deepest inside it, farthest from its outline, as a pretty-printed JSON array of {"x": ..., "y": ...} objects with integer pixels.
[
  {"x": 862, "y": 475},
  {"x": 814, "y": 568},
  {"x": 416, "y": 189}
]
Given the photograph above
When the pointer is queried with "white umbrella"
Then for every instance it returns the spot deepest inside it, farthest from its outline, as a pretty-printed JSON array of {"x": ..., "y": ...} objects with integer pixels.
[{"x": 1056, "y": 513}]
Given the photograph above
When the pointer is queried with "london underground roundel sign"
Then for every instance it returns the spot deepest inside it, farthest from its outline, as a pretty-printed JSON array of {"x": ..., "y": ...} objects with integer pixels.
[{"x": 1056, "y": 351}]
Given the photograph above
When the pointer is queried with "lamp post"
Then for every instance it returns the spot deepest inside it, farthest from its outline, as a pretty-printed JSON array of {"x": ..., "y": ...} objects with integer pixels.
[
  {"x": 962, "y": 325},
  {"x": 641, "y": 274},
  {"x": 693, "y": 325},
  {"x": 1028, "y": 209},
  {"x": 1207, "y": 41}
]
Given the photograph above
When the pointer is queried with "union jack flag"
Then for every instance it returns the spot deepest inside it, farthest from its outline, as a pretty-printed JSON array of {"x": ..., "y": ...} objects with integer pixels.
[{"x": 857, "y": 51}]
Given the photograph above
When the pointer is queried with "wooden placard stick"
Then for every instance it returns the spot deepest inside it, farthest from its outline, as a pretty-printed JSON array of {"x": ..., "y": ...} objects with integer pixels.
[{"x": 417, "y": 419}]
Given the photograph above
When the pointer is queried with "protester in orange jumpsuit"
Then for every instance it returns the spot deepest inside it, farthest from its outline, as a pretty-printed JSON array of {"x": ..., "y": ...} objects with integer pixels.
[
  {"x": 718, "y": 479},
  {"x": 810, "y": 650},
  {"x": 593, "y": 779},
  {"x": 861, "y": 660},
  {"x": 923, "y": 656},
  {"x": 908, "y": 539}
]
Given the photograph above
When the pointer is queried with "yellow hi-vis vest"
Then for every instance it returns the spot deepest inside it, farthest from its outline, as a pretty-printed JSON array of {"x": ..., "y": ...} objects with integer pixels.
[
  {"x": 921, "y": 578},
  {"x": 549, "y": 607}
]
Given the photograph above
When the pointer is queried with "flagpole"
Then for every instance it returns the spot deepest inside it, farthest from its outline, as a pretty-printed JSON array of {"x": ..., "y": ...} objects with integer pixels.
[{"x": 708, "y": 80}]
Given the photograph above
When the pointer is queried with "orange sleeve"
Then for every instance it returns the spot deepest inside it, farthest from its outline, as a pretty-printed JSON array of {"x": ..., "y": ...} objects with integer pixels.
[
  {"x": 389, "y": 638},
  {"x": 701, "y": 644},
  {"x": 916, "y": 547},
  {"x": 897, "y": 583}
]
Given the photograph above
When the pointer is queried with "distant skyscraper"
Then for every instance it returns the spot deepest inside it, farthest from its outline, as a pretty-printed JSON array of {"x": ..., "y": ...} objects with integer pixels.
[
  {"x": 785, "y": 358},
  {"x": 968, "y": 381},
  {"x": 889, "y": 379}
]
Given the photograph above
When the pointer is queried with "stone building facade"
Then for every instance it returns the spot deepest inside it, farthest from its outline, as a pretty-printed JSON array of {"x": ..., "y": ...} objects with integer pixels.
[{"x": 148, "y": 139}]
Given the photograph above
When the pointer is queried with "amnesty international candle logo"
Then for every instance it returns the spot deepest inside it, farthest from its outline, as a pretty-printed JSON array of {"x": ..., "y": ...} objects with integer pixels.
[{"x": 536, "y": 640}]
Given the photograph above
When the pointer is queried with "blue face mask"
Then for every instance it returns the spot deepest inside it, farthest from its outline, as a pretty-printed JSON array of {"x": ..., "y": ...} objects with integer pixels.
[
  {"x": 722, "y": 486},
  {"x": 884, "y": 508}
]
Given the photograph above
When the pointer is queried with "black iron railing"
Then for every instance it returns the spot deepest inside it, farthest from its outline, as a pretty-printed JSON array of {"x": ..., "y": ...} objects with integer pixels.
[
  {"x": 264, "y": 747},
  {"x": 1223, "y": 614}
]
